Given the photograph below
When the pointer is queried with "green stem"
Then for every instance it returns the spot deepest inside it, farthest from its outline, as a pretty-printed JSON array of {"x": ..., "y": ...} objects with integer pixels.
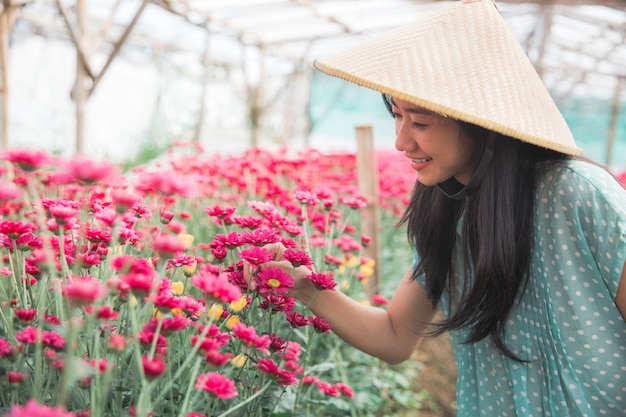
[{"x": 246, "y": 401}]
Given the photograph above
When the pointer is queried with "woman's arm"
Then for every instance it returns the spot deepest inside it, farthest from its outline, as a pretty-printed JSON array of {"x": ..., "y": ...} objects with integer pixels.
[{"x": 391, "y": 335}]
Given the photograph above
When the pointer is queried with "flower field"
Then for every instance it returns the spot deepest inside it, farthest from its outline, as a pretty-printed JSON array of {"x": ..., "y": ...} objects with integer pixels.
[{"x": 123, "y": 294}]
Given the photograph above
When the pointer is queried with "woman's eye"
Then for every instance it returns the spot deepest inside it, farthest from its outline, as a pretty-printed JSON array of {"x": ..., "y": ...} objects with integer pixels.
[
  {"x": 396, "y": 115},
  {"x": 418, "y": 125}
]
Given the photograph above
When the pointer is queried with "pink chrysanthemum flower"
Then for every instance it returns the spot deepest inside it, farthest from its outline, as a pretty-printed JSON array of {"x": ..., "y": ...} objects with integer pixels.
[
  {"x": 320, "y": 325},
  {"x": 53, "y": 340},
  {"x": 260, "y": 237},
  {"x": 16, "y": 229},
  {"x": 271, "y": 369},
  {"x": 8, "y": 191},
  {"x": 255, "y": 255},
  {"x": 248, "y": 336},
  {"x": 26, "y": 159},
  {"x": 83, "y": 290},
  {"x": 167, "y": 246},
  {"x": 88, "y": 171},
  {"x": 216, "y": 384},
  {"x": 7, "y": 349},
  {"x": 153, "y": 368},
  {"x": 322, "y": 281},
  {"x": 297, "y": 319},
  {"x": 273, "y": 280},
  {"x": 25, "y": 314},
  {"x": 306, "y": 197},
  {"x": 297, "y": 258},
  {"x": 216, "y": 286},
  {"x": 219, "y": 212},
  {"x": 346, "y": 390},
  {"x": 33, "y": 409},
  {"x": 380, "y": 300}
]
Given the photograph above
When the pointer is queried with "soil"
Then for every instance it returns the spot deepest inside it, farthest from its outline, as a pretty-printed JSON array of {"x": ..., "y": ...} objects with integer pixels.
[{"x": 437, "y": 377}]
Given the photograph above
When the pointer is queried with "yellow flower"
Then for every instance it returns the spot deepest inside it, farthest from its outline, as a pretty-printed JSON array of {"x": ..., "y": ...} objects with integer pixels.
[
  {"x": 232, "y": 321},
  {"x": 190, "y": 269},
  {"x": 186, "y": 240},
  {"x": 177, "y": 312},
  {"x": 178, "y": 287},
  {"x": 238, "y": 305},
  {"x": 215, "y": 312},
  {"x": 345, "y": 285},
  {"x": 239, "y": 360},
  {"x": 352, "y": 262},
  {"x": 365, "y": 302},
  {"x": 366, "y": 270}
]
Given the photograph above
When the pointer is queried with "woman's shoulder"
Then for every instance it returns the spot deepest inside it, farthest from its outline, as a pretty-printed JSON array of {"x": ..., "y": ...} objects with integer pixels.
[
  {"x": 579, "y": 173},
  {"x": 581, "y": 181}
]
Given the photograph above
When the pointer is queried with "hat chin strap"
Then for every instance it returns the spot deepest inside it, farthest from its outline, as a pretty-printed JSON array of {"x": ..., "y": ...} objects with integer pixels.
[{"x": 453, "y": 189}]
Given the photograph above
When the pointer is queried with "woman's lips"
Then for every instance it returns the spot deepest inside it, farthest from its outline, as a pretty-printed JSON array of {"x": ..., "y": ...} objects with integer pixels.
[{"x": 420, "y": 163}]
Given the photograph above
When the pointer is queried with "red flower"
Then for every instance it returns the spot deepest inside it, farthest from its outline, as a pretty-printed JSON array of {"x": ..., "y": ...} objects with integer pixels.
[
  {"x": 260, "y": 237},
  {"x": 53, "y": 340},
  {"x": 320, "y": 325},
  {"x": 273, "y": 280},
  {"x": 346, "y": 390},
  {"x": 8, "y": 192},
  {"x": 83, "y": 290},
  {"x": 249, "y": 337},
  {"x": 306, "y": 197},
  {"x": 33, "y": 409},
  {"x": 354, "y": 203},
  {"x": 153, "y": 368},
  {"x": 219, "y": 212},
  {"x": 282, "y": 377},
  {"x": 216, "y": 286},
  {"x": 328, "y": 389},
  {"x": 25, "y": 314},
  {"x": 216, "y": 384},
  {"x": 15, "y": 377},
  {"x": 379, "y": 299},
  {"x": 27, "y": 160},
  {"x": 117, "y": 342},
  {"x": 6, "y": 349},
  {"x": 167, "y": 246},
  {"x": 297, "y": 258},
  {"x": 255, "y": 255},
  {"x": 297, "y": 319},
  {"x": 87, "y": 171},
  {"x": 28, "y": 336},
  {"x": 124, "y": 200},
  {"x": 16, "y": 229},
  {"x": 322, "y": 281},
  {"x": 28, "y": 241}
]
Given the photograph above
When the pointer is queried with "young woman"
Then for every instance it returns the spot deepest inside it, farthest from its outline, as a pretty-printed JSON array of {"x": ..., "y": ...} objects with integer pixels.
[{"x": 521, "y": 244}]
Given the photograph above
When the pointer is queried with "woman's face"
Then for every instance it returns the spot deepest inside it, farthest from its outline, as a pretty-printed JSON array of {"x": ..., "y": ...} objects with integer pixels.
[{"x": 436, "y": 145}]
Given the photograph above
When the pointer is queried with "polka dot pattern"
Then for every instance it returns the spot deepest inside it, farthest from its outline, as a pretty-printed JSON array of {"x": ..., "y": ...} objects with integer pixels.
[{"x": 565, "y": 324}]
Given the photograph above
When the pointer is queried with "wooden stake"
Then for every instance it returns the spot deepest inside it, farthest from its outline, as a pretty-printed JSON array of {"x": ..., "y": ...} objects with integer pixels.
[
  {"x": 613, "y": 122},
  {"x": 367, "y": 171},
  {"x": 5, "y": 27}
]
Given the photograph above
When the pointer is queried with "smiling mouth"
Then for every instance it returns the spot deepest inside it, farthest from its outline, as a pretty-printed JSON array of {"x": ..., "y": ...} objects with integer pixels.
[{"x": 421, "y": 161}]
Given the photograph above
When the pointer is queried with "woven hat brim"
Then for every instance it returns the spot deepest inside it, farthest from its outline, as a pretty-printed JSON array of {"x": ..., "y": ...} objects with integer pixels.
[{"x": 462, "y": 62}]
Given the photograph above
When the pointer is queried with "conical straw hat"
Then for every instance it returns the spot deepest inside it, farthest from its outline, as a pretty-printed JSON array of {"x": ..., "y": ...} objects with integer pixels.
[{"x": 462, "y": 62}]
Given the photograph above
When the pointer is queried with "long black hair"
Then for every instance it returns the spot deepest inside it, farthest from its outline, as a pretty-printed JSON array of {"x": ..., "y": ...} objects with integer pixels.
[{"x": 496, "y": 239}]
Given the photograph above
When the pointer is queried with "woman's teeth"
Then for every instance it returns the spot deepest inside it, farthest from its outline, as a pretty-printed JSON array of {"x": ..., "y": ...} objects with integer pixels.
[{"x": 421, "y": 161}]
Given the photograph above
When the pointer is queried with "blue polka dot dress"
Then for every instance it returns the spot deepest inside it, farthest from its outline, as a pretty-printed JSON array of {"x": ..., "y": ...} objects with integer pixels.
[{"x": 565, "y": 323}]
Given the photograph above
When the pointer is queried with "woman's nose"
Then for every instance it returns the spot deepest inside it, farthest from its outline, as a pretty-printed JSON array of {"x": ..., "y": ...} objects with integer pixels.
[{"x": 404, "y": 142}]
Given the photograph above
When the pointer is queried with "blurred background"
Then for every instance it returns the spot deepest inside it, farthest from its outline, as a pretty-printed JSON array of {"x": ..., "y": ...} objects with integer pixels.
[{"x": 127, "y": 79}]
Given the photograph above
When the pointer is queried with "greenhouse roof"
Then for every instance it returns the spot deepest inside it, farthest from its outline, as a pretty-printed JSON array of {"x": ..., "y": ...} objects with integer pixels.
[{"x": 577, "y": 45}]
